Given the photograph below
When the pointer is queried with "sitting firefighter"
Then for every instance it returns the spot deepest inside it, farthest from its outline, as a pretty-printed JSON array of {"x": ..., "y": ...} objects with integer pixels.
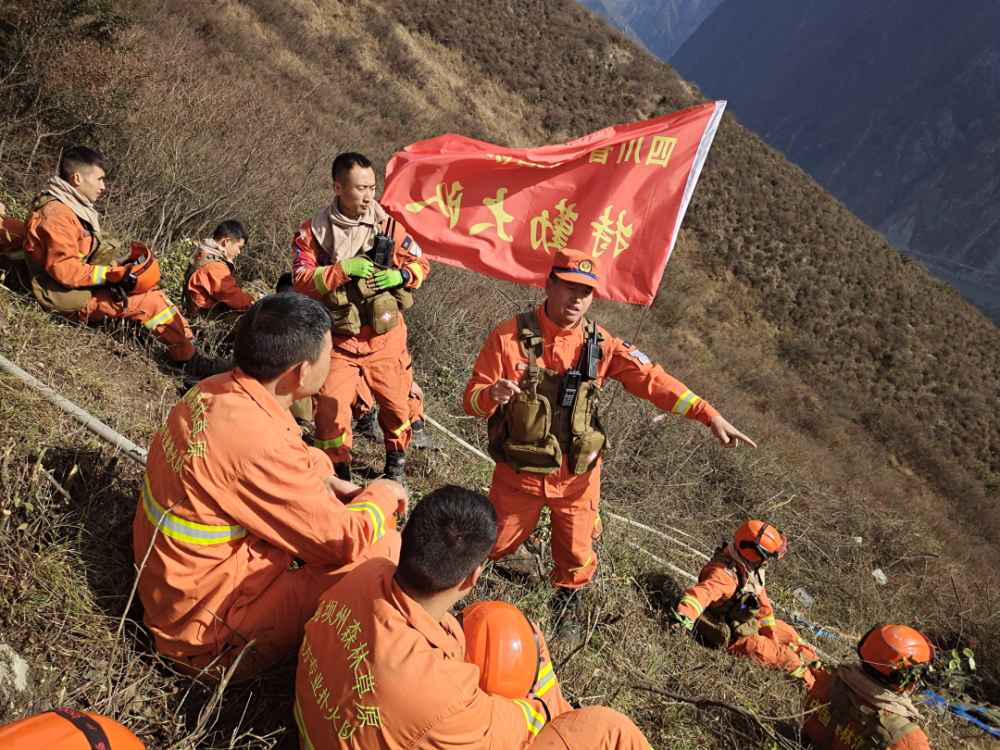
[
  {"x": 728, "y": 607},
  {"x": 211, "y": 291},
  {"x": 867, "y": 704}
]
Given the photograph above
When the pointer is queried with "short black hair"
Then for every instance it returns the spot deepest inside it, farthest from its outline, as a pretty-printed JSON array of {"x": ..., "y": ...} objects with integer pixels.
[
  {"x": 285, "y": 284},
  {"x": 231, "y": 229},
  {"x": 278, "y": 332},
  {"x": 344, "y": 163},
  {"x": 78, "y": 158},
  {"x": 449, "y": 535}
]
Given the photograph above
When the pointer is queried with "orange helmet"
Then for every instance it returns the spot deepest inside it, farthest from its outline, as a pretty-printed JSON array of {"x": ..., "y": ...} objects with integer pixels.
[
  {"x": 758, "y": 541},
  {"x": 896, "y": 655},
  {"x": 144, "y": 266},
  {"x": 68, "y": 729},
  {"x": 500, "y": 640}
]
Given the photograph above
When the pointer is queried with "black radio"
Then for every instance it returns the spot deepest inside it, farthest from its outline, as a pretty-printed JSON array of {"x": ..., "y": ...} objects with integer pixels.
[{"x": 381, "y": 252}]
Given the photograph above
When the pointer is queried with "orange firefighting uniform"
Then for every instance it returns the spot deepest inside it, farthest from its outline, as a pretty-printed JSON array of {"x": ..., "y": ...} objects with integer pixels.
[
  {"x": 777, "y": 644},
  {"x": 11, "y": 239},
  {"x": 380, "y": 360},
  {"x": 376, "y": 671},
  {"x": 846, "y": 736},
  {"x": 573, "y": 499},
  {"x": 212, "y": 284},
  {"x": 364, "y": 400},
  {"x": 238, "y": 497},
  {"x": 58, "y": 241}
]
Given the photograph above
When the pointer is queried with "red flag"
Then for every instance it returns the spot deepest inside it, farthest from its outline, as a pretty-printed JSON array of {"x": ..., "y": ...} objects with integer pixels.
[{"x": 619, "y": 194}]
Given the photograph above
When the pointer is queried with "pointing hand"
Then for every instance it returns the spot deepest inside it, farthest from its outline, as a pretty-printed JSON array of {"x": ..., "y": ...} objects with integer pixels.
[{"x": 502, "y": 390}]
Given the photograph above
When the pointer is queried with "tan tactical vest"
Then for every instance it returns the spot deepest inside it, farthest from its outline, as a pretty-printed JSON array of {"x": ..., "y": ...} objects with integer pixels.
[
  {"x": 353, "y": 305},
  {"x": 52, "y": 295},
  {"x": 879, "y": 731},
  {"x": 732, "y": 618},
  {"x": 531, "y": 432}
]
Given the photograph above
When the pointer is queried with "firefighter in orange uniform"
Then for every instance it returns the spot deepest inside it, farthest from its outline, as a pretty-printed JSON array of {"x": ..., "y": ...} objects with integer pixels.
[
  {"x": 72, "y": 265},
  {"x": 868, "y": 703},
  {"x": 233, "y": 498},
  {"x": 384, "y": 665},
  {"x": 532, "y": 365},
  {"x": 363, "y": 266},
  {"x": 210, "y": 288},
  {"x": 728, "y": 607},
  {"x": 11, "y": 237}
]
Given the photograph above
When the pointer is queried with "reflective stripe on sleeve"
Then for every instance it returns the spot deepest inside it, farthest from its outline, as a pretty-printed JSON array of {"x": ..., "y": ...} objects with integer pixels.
[
  {"x": 475, "y": 401},
  {"x": 800, "y": 671},
  {"x": 320, "y": 282},
  {"x": 16, "y": 255},
  {"x": 99, "y": 276},
  {"x": 161, "y": 319},
  {"x": 377, "y": 516},
  {"x": 546, "y": 679},
  {"x": 532, "y": 718},
  {"x": 767, "y": 622},
  {"x": 406, "y": 426},
  {"x": 186, "y": 531},
  {"x": 302, "y": 726},
  {"x": 698, "y": 608},
  {"x": 684, "y": 403},
  {"x": 418, "y": 272},
  {"x": 327, "y": 444}
]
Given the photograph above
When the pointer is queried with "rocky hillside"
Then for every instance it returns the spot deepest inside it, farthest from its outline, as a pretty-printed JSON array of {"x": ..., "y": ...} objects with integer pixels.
[
  {"x": 892, "y": 107},
  {"x": 662, "y": 26},
  {"x": 873, "y": 391}
]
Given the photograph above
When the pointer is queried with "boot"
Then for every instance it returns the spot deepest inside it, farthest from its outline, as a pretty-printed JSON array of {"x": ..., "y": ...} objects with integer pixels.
[
  {"x": 368, "y": 425},
  {"x": 395, "y": 462},
  {"x": 422, "y": 439},
  {"x": 343, "y": 472},
  {"x": 201, "y": 366},
  {"x": 565, "y": 607}
]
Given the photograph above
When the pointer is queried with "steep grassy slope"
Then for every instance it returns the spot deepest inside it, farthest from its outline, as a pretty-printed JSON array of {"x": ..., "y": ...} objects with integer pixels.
[{"x": 779, "y": 307}]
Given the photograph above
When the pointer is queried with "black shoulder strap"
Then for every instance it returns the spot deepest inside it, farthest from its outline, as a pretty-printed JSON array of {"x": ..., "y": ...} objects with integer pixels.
[{"x": 92, "y": 731}]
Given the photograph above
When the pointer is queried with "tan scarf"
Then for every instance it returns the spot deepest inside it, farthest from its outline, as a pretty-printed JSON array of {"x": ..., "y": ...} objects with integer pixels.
[
  {"x": 212, "y": 248},
  {"x": 875, "y": 693},
  {"x": 340, "y": 237},
  {"x": 754, "y": 582},
  {"x": 73, "y": 199}
]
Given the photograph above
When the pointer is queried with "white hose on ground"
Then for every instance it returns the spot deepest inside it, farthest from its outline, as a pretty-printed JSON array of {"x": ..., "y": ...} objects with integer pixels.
[{"x": 96, "y": 426}]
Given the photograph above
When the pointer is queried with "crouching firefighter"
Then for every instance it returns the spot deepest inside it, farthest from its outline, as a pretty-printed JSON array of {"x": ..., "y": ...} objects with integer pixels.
[
  {"x": 867, "y": 705},
  {"x": 728, "y": 608},
  {"x": 73, "y": 267},
  {"x": 538, "y": 380},
  {"x": 362, "y": 266}
]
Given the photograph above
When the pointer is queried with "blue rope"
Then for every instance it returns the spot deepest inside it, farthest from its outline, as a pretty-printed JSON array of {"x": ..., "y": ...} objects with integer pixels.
[
  {"x": 962, "y": 711},
  {"x": 957, "y": 708}
]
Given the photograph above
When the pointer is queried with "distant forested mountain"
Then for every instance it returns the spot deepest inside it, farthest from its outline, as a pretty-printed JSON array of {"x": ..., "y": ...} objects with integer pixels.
[
  {"x": 893, "y": 106},
  {"x": 660, "y": 25}
]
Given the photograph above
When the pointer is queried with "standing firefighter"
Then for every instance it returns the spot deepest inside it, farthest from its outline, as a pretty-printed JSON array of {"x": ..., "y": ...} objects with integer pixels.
[
  {"x": 210, "y": 288},
  {"x": 362, "y": 266},
  {"x": 73, "y": 270},
  {"x": 728, "y": 607},
  {"x": 867, "y": 704},
  {"x": 385, "y": 666},
  {"x": 538, "y": 380}
]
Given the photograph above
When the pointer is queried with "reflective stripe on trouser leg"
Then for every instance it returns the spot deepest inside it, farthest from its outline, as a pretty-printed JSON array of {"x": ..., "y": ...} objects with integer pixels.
[
  {"x": 386, "y": 374},
  {"x": 333, "y": 410},
  {"x": 573, "y": 533}
]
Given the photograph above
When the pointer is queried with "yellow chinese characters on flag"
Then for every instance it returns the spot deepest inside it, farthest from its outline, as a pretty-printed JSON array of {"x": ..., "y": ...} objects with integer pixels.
[{"x": 619, "y": 195}]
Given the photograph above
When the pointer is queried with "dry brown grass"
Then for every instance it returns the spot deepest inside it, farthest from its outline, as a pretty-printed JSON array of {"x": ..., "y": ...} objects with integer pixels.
[{"x": 868, "y": 428}]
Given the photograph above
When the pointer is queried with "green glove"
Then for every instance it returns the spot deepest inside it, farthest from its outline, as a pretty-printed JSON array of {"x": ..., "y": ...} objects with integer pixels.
[
  {"x": 687, "y": 622},
  {"x": 388, "y": 279},
  {"x": 359, "y": 266}
]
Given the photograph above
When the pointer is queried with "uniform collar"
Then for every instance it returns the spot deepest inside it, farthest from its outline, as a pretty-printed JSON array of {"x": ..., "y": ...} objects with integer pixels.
[
  {"x": 552, "y": 330},
  {"x": 262, "y": 398},
  {"x": 452, "y": 643}
]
